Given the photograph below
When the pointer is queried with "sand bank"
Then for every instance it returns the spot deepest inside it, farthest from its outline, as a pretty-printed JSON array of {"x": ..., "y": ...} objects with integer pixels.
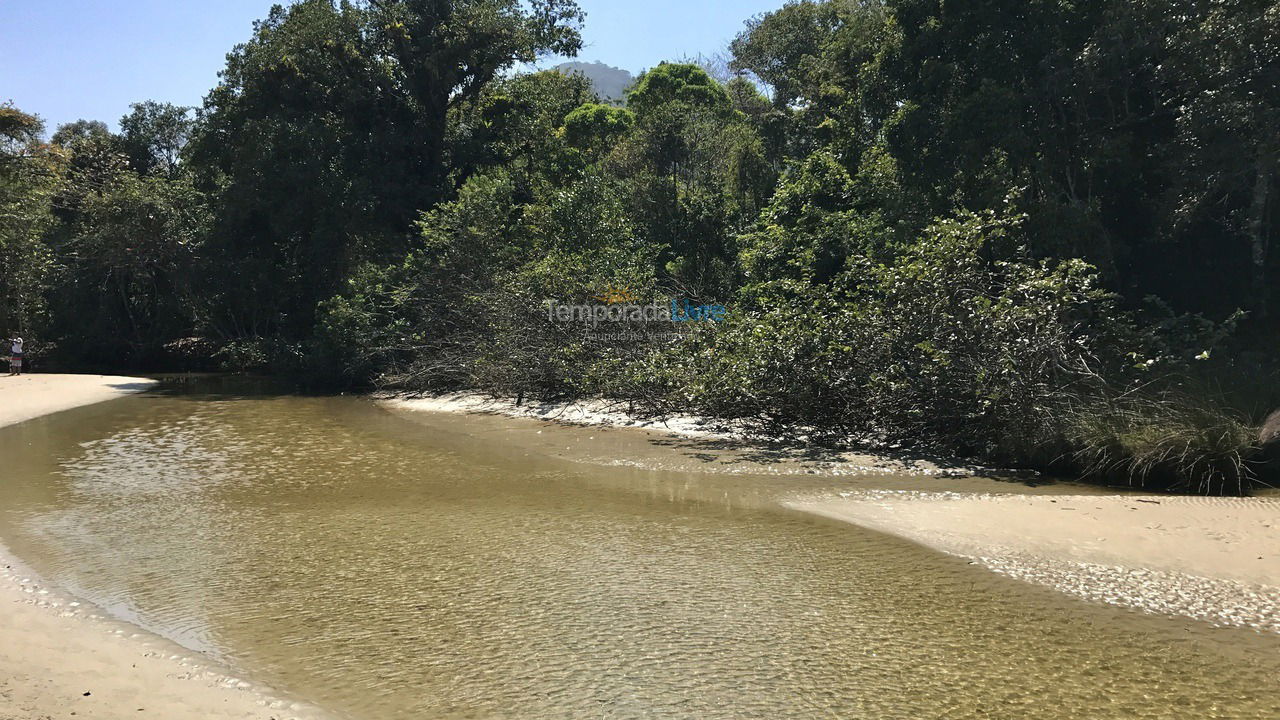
[
  {"x": 29, "y": 396},
  {"x": 61, "y": 658},
  {"x": 1214, "y": 559}
]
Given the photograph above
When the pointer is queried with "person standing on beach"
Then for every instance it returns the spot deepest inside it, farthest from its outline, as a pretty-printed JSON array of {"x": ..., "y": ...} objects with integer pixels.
[{"x": 15, "y": 357}]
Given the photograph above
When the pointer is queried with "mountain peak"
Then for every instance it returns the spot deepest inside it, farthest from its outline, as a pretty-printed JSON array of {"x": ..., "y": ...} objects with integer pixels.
[{"x": 609, "y": 82}]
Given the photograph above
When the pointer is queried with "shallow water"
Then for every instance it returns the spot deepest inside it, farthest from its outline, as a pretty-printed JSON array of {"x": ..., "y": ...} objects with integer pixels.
[{"x": 391, "y": 569}]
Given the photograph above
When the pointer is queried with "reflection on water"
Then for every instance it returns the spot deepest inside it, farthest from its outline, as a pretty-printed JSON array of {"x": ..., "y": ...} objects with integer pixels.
[{"x": 392, "y": 570}]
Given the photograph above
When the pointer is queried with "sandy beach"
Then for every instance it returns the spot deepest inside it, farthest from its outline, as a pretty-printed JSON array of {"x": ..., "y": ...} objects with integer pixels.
[
  {"x": 1212, "y": 559},
  {"x": 60, "y": 658}
]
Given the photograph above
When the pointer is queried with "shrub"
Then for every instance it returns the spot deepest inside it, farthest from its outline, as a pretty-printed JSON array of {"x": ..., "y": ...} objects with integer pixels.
[{"x": 942, "y": 344}]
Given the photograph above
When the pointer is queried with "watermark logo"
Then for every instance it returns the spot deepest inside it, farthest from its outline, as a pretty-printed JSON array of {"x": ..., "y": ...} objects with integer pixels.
[
  {"x": 621, "y": 305},
  {"x": 614, "y": 295},
  {"x": 685, "y": 311}
]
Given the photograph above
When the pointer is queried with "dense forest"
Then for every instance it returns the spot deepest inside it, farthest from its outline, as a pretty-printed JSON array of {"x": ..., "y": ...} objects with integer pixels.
[{"x": 1031, "y": 232}]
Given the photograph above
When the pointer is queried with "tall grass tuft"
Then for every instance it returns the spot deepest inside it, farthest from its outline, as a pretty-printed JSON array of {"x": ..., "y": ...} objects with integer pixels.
[{"x": 1168, "y": 440}]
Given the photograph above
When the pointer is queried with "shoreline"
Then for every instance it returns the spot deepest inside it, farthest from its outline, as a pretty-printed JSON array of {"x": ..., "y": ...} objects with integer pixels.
[
  {"x": 62, "y": 656},
  {"x": 1215, "y": 560},
  {"x": 738, "y": 451}
]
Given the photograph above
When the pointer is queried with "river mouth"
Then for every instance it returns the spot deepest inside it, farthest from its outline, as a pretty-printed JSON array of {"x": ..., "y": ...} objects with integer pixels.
[{"x": 390, "y": 569}]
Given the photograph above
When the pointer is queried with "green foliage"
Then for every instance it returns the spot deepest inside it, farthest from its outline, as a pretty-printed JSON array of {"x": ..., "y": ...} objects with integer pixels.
[
  {"x": 127, "y": 264},
  {"x": 260, "y": 355},
  {"x": 514, "y": 124},
  {"x": 682, "y": 83},
  {"x": 976, "y": 349},
  {"x": 827, "y": 65},
  {"x": 942, "y": 343},
  {"x": 809, "y": 227},
  {"x": 747, "y": 98},
  {"x": 1163, "y": 439},
  {"x": 478, "y": 286},
  {"x": 97, "y": 262},
  {"x": 82, "y": 132},
  {"x": 371, "y": 195},
  {"x": 29, "y": 176},
  {"x": 351, "y": 104},
  {"x": 1132, "y": 131},
  {"x": 366, "y": 329},
  {"x": 153, "y": 136},
  {"x": 595, "y": 126},
  {"x": 785, "y": 48},
  {"x": 696, "y": 177}
]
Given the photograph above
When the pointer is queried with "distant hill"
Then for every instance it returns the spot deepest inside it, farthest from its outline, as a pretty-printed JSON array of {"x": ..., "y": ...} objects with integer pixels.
[{"x": 609, "y": 82}]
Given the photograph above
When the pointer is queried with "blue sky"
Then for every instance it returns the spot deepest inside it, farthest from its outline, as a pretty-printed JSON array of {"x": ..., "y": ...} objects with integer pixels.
[{"x": 71, "y": 59}]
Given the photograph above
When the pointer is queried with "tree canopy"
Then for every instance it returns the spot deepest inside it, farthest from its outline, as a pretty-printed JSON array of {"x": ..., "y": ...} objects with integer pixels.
[{"x": 1020, "y": 218}]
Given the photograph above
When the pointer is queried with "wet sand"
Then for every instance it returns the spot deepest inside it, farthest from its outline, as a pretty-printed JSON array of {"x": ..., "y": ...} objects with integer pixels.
[
  {"x": 60, "y": 658},
  {"x": 1213, "y": 559}
]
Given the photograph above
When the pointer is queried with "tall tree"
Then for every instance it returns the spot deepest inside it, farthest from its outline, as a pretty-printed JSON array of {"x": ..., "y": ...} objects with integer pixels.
[
  {"x": 514, "y": 124},
  {"x": 448, "y": 51},
  {"x": 1225, "y": 64},
  {"x": 153, "y": 135},
  {"x": 30, "y": 173},
  {"x": 326, "y": 136},
  {"x": 698, "y": 173}
]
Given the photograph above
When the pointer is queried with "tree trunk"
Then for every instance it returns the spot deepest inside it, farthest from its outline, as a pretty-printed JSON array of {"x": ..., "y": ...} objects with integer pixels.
[{"x": 1257, "y": 229}]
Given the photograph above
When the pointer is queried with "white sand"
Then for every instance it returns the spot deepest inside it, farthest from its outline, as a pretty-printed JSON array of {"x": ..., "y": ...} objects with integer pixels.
[
  {"x": 1216, "y": 559},
  {"x": 716, "y": 447},
  {"x": 60, "y": 658},
  {"x": 29, "y": 396},
  {"x": 578, "y": 412}
]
